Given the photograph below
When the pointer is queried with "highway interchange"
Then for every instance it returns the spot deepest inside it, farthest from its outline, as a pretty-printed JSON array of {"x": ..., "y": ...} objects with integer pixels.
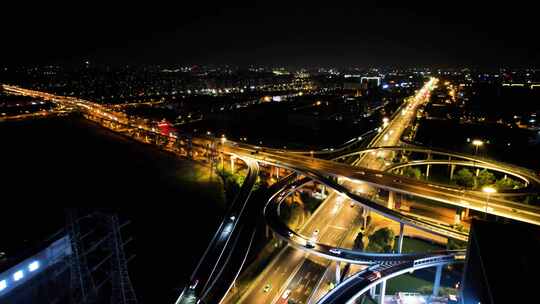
[{"x": 296, "y": 272}]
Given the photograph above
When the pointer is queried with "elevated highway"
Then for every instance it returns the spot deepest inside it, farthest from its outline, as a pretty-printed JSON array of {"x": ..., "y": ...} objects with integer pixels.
[
  {"x": 325, "y": 172},
  {"x": 306, "y": 243},
  {"x": 360, "y": 283},
  {"x": 230, "y": 234}
]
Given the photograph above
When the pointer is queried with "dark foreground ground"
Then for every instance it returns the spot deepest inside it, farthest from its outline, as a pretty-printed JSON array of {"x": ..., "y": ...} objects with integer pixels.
[{"x": 49, "y": 164}]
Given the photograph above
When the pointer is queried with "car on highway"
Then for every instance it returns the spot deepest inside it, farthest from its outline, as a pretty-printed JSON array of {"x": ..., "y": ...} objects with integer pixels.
[
  {"x": 286, "y": 294},
  {"x": 372, "y": 275},
  {"x": 194, "y": 284},
  {"x": 267, "y": 288},
  {"x": 309, "y": 244},
  {"x": 335, "y": 251},
  {"x": 316, "y": 232}
]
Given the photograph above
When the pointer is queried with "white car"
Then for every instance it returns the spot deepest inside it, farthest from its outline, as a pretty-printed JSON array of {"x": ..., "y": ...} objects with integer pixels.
[
  {"x": 286, "y": 294},
  {"x": 335, "y": 251},
  {"x": 194, "y": 284}
]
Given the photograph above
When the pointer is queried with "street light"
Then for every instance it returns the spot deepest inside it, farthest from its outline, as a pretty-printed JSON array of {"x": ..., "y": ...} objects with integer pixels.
[
  {"x": 477, "y": 143},
  {"x": 488, "y": 190}
]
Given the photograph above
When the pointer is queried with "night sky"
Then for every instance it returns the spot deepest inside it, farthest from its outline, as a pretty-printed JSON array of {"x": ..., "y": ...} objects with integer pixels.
[{"x": 292, "y": 33}]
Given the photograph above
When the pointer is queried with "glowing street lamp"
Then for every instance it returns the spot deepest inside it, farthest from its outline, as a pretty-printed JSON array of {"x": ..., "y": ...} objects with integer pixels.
[
  {"x": 489, "y": 191},
  {"x": 477, "y": 143}
]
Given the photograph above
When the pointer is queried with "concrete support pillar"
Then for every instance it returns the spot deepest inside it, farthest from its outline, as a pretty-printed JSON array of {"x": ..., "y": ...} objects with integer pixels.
[
  {"x": 391, "y": 200},
  {"x": 464, "y": 214},
  {"x": 477, "y": 172},
  {"x": 338, "y": 272},
  {"x": 428, "y": 166},
  {"x": 323, "y": 188},
  {"x": 437, "y": 282},
  {"x": 277, "y": 172},
  {"x": 457, "y": 217},
  {"x": 232, "y": 163},
  {"x": 452, "y": 169},
  {"x": 365, "y": 213},
  {"x": 372, "y": 291},
  {"x": 400, "y": 239},
  {"x": 382, "y": 292}
]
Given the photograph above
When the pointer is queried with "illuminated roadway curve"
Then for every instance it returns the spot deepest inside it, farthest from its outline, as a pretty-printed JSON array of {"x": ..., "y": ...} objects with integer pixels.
[
  {"x": 528, "y": 176},
  {"x": 358, "y": 284},
  {"x": 225, "y": 239},
  {"x": 271, "y": 214},
  {"x": 301, "y": 163},
  {"x": 321, "y": 170}
]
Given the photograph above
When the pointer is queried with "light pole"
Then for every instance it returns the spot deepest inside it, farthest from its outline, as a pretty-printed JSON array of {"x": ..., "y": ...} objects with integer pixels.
[
  {"x": 477, "y": 143},
  {"x": 488, "y": 190}
]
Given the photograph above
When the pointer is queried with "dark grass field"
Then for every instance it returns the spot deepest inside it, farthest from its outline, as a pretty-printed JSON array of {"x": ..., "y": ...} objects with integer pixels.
[{"x": 49, "y": 164}]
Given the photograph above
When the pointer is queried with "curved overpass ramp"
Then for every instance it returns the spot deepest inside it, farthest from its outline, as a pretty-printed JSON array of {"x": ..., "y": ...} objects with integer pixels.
[
  {"x": 358, "y": 284},
  {"x": 232, "y": 231}
]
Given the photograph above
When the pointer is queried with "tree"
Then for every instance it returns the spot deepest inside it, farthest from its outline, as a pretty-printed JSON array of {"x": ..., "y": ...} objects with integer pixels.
[
  {"x": 310, "y": 203},
  {"x": 464, "y": 178},
  {"x": 381, "y": 240},
  {"x": 532, "y": 199},
  {"x": 453, "y": 244},
  {"x": 443, "y": 291},
  {"x": 485, "y": 178},
  {"x": 412, "y": 172},
  {"x": 508, "y": 184}
]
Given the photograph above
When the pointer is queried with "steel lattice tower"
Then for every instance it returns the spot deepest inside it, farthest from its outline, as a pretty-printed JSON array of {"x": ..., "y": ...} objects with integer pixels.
[
  {"x": 122, "y": 289},
  {"x": 82, "y": 286}
]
